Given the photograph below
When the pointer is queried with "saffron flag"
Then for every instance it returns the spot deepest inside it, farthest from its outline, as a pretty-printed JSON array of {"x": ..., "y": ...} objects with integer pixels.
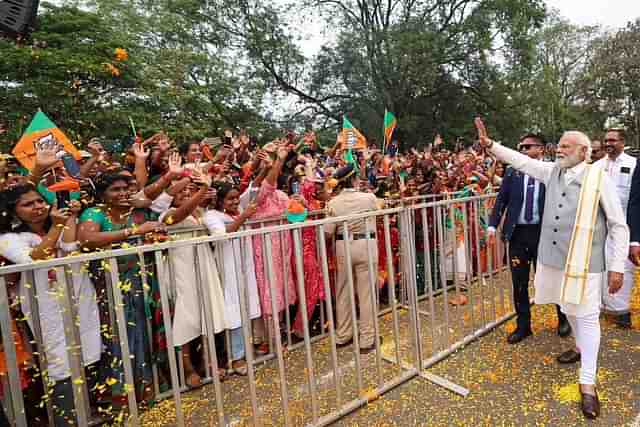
[
  {"x": 41, "y": 127},
  {"x": 390, "y": 124},
  {"x": 350, "y": 137}
]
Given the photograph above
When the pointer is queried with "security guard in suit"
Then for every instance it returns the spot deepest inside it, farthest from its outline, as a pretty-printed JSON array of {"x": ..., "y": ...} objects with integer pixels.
[{"x": 361, "y": 238}]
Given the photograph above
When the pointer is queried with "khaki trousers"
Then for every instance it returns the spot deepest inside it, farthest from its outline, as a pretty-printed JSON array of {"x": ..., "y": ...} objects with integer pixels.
[{"x": 362, "y": 288}]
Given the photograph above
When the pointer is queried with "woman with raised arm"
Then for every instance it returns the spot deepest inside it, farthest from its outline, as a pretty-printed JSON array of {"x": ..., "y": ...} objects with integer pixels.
[
  {"x": 227, "y": 218},
  {"x": 314, "y": 195},
  {"x": 107, "y": 226},
  {"x": 272, "y": 203},
  {"x": 188, "y": 320}
]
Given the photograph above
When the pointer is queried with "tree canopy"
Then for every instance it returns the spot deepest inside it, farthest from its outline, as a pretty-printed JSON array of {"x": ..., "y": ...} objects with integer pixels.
[{"x": 194, "y": 68}]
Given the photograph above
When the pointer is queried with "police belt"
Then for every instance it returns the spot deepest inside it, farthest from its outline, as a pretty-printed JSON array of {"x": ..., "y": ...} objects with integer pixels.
[{"x": 357, "y": 236}]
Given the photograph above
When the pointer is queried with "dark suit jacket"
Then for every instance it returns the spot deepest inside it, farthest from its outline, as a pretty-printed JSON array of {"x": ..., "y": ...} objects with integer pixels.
[
  {"x": 633, "y": 208},
  {"x": 511, "y": 199}
]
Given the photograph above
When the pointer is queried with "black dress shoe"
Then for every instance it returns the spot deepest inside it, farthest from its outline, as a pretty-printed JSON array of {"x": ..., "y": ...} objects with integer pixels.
[
  {"x": 569, "y": 356},
  {"x": 518, "y": 335},
  {"x": 564, "y": 328},
  {"x": 623, "y": 320},
  {"x": 590, "y": 405}
]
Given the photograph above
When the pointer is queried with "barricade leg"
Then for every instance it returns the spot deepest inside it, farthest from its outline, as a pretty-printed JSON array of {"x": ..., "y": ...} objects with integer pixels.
[
  {"x": 352, "y": 301},
  {"x": 210, "y": 344},
  {"x": 37, "y": 332},
  {"x": 443, "y": 273},
  {"x": 392, "y": 289},
  {"x": 468, "y": 256},
  {"x": 17, "y": 400},
  {"x": 372, "y": 267},
  {"x": 429, "y": 279},
  {"x": 332, "y": 331},
  {"x": 71, "y": 324},
  {"x": 146, "y": 288},
  {"x": 241, "y": 276},
  {"x": 266, "y": 244},
  {"x": 118, "y": 305}
]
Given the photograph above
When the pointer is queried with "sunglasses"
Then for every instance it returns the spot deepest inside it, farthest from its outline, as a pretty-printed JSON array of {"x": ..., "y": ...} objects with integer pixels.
[
  {"x": 610, "y": 141},
  {"x": 526, "y": 147}
]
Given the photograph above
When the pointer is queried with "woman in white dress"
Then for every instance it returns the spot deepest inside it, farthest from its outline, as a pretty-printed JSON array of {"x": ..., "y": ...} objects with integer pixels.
[
  {"x": 32, "y": 231},
  {"x": 227, "y": 218},
  {"x": 189, "y": 321}
]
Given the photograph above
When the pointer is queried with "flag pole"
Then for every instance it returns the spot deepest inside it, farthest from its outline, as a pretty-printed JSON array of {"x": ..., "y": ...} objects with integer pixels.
[{"x": 384, "y": 133}]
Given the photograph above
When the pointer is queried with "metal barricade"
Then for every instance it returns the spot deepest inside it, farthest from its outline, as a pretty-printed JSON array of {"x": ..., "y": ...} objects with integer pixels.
[
  {"x": 389, "y": 294},
  {"x": 466, "y": 289}
]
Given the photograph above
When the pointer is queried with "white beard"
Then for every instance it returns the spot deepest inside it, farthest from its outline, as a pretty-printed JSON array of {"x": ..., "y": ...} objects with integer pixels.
[{"x": 568, "y": 161}]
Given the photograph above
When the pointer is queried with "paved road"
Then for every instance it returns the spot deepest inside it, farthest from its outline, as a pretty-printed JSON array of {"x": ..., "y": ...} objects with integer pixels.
[
  {"x": 517, "y": 385},
  {"x": 509, "y": 385}
]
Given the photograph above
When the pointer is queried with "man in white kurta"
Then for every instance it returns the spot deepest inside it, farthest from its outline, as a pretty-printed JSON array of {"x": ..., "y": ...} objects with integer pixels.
[
  {"x": 565, "y": 178},
  {"x": 619, "y": 166}
]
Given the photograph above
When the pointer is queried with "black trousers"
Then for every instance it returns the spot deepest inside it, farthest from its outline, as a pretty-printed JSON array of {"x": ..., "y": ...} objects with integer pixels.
[{"x": 523, "y": 254}]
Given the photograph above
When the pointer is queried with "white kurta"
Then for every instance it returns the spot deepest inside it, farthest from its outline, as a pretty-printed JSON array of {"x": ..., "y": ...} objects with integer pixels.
[
  {"x": 16, "y": 247},
  {"x": 189, "y": 321},
  {"x": 216, "y": 222},
  {"x": 548, "y": 279},
  {"x": 620, "y": 170}
]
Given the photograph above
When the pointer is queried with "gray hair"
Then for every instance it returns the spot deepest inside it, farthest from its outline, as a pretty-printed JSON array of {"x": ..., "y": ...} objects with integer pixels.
[{"x": 581, "y": 139}]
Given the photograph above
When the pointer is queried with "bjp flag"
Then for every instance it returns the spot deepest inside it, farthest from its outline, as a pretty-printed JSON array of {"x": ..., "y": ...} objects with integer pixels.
[
  {"x": 350, "y": 137},
  {"x": 41, "y": 127}
]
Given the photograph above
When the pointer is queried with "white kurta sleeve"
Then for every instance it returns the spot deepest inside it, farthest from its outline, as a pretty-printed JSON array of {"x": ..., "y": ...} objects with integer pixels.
[
  {"x": 67, "y": 247},
  {"x": 536, "y": 168},
  {"x": 17, "y": 247},
  {"x": 214, "y": 223},
  {"x": 162, "y": 203},
  {"x": 617, "y": 229}
]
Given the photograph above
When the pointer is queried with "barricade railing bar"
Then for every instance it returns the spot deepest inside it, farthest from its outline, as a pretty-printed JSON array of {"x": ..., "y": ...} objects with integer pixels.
[{"x": 372, "y": 313}]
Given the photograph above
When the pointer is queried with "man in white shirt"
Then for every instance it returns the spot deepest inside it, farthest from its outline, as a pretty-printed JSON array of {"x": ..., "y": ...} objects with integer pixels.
[
  {"x": 619, "y": 166},
  {"x": 556, "y": 253}
]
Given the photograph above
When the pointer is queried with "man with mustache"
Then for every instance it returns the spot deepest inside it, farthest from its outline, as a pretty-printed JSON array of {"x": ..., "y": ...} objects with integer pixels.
[
  {"x": 619, "y": 166},
  {"x": 581, "y": 212}
]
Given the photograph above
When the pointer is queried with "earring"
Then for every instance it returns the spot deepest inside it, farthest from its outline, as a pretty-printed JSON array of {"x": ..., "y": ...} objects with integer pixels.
[{"x": 15, "y": 223}]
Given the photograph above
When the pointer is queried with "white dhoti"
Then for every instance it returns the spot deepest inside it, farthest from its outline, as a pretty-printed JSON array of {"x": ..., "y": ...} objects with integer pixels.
[
  {"x": 584, "y": 318},
  {"x": 548, "y": 281}
]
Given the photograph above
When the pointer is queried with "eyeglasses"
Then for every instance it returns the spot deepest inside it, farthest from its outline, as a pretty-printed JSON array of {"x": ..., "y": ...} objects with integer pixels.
[{"x": 607, "y": 141}]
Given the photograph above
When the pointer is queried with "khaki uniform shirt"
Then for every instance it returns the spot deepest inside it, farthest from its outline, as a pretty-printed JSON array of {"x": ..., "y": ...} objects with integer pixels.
[{"x": 350, "y": 202}]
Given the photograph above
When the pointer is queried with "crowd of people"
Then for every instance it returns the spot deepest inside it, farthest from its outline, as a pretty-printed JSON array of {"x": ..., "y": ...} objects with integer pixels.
[{"x": 136, "y": 194}]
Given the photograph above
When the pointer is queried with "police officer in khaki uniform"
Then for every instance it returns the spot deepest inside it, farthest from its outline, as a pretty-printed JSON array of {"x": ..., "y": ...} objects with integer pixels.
[{"x": 348, "y": 202}]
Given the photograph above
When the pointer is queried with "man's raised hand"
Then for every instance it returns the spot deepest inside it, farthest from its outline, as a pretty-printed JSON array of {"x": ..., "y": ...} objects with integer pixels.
[{"x": 483, "y": 137}]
